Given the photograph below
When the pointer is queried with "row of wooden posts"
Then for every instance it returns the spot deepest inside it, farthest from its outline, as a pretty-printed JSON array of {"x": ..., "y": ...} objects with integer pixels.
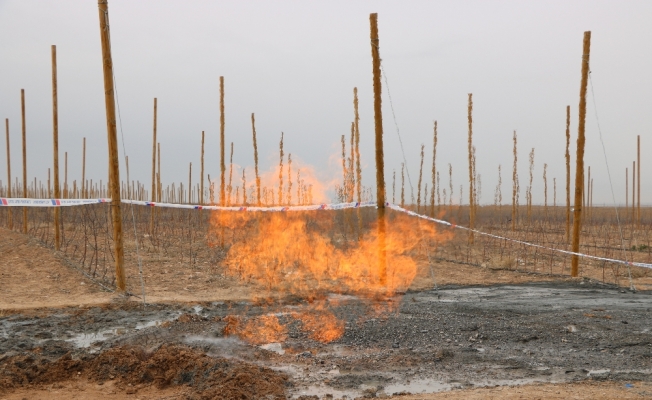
[{"x": 114, "y": 189}]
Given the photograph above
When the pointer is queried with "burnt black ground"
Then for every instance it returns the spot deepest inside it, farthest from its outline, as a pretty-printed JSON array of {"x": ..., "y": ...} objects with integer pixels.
[{"x": 431, "y": 340}]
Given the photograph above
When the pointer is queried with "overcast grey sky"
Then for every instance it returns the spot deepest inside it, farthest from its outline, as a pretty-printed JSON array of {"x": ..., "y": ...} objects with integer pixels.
[{"x": 295, "y": 63}]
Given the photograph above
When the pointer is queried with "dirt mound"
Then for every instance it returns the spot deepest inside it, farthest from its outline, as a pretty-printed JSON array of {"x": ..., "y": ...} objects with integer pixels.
[{"x": 207, "y": 377}]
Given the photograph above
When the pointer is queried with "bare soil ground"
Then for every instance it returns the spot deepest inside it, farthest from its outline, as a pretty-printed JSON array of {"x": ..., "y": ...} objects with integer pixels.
[
  {"x": 33, "y": 276},
  {"x": 526, "y": 332},
  {"x": 83, "y": 389}
]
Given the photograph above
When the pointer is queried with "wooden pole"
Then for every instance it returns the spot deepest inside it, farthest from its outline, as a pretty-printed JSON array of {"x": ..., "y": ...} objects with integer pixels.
[
  {"x": 587, "y": 202},
  {"x": 153, "y": 196},
  {"x": 201, "y": 179},
  {"x": 10, "y": 221},
  {"x": 380, "y": 161},
  {"x": 55, "y": 136},
  {"x": 83, "y": 182},
  {"x": 514, "y": 183},
  {"x": 154, "y": 186},
  {"x": 633, "y": 217},
  {"x": 114, "y": 173},
  {"x": 190, "y": 184},
  {"x": 65, "y": 175},
  {"x": 626, "y": 192},
  {"x": 253, "y": 129},
  {"x": 471, "y": 174},
  {"x": 222, "y": 165},
  {"x": 638, "y": 178},
  {"x": 158, "y": 175},
  {"x": 568, "y": 177},
  {"x": 24, "y": 131},
  {"x": 579, "y": 169}
]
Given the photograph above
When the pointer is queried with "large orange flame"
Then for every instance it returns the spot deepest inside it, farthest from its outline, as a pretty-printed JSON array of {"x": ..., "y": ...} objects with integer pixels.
[{"x": 310, "y": 254}]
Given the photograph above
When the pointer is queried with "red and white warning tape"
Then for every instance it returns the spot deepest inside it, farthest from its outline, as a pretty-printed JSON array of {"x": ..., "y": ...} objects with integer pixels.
[
  {"x": 315, "y": 207},
  {"x": 17, "y": 202},
  {"x": 442, "y": 222},
  {"x": 49, "y": 202}
]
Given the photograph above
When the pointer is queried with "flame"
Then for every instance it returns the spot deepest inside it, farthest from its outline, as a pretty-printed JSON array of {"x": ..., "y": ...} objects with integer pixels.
[
  {"x": 320, "y": 324},
  {"x": 310, "y": 254},
  {"x": 258, "y": 330},
  {"x": 300, "y": 254}
]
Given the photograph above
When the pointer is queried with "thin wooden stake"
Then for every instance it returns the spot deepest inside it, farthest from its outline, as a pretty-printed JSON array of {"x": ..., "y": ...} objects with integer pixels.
[
  {"x": 638, "y": 177},
  {"x": 222, "y": 165},
  {"x": 83, "y": 182},
  {"x": 158, "y": 174},
  {"x": 114, "y": 173},
  {"x": 358, "y": 168},
  {"x": 626, "y": 192},
  {"x": 633, "y": 217},
  {"x": 568, "y": 176},
  {"x": 66, "y": 190},
  {"x": 514, "y": 184},
  {"x": 579, "y": 169},
  {"x": 24, "y": 131},
  {"x": 253, "y": 129},
  {"x": 201, "y": 179},
  {"x": 10, "y": 221},
  {"x": 434, "y": 171},
  {"x": 471, "y": 174}
]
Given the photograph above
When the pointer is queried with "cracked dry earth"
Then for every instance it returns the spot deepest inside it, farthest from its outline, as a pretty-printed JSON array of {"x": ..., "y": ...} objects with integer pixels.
[{"x": 421, "y": 342}]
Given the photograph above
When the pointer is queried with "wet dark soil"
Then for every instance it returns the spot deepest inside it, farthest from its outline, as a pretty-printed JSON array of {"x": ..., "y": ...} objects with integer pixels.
[{"x": 423, "y": 341}]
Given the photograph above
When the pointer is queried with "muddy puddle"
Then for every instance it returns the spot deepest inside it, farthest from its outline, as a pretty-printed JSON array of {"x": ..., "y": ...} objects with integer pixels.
[{"x": 426, "y": 342}]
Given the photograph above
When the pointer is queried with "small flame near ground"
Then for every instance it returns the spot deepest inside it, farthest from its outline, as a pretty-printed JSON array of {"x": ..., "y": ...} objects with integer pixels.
[{"x": 310, "y": 254}]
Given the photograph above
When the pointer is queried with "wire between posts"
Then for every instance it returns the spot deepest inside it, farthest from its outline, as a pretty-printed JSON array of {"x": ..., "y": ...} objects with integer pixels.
[{"x": 611, "y": 186}]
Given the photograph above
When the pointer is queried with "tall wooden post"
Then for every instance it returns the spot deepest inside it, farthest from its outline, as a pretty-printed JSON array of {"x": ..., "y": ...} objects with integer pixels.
[
  {"x": 114, "y": 172},
  {"x": 10, "y": 221},
  {"x": 380, "y": 159},
  {"x": 471, "y": 167},
  {"x": 153, "y": 196},
  {"x": 253, "y": 129},
  {"x": 24, "y": 129},
  {"x": 568, "y": 176},
  {"x": 83, "y": 182},
  {"x": 222, "y": 165},
  {"x": 638, "y": 177},
  {"x": 55, "y": 137},
  {"x": 189, "y": 184},
  {"x": 201, "y": 179},
  {"x": 579, "y": 169}
]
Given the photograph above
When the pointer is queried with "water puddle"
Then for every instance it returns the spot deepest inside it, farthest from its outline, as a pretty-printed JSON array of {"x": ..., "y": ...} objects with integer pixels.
[
  {"x": 323, "y": 392},
  {"x": 86, "y": 339}
]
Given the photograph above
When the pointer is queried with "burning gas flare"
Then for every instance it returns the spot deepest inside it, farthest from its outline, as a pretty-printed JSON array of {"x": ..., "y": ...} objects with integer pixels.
[{"x": 313, "y": 253}]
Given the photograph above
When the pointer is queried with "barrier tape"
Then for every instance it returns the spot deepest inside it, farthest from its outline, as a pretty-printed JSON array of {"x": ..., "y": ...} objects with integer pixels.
[
  {"x": 18, "y": 202},
  {"x": 314, "y": 207},
  {"x": 14, "y": 202},
  {"x": 442, "y": 222}
]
